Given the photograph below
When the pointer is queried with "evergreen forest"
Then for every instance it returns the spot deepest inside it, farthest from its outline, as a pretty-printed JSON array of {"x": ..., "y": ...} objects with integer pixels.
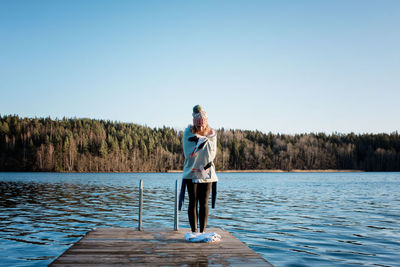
[{"x": 88, "y": 145}]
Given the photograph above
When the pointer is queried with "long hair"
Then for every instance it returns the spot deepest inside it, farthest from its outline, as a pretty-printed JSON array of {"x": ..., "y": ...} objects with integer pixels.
[{"x": 196, "y": 130}]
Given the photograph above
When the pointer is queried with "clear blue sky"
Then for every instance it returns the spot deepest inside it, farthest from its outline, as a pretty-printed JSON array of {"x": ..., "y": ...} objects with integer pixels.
[{"x": 279, "y": 66}]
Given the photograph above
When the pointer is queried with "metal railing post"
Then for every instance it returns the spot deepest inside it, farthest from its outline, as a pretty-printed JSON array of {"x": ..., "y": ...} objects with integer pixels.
[
  {"x": 140, "y": 226},
  {"x": 176, "y": 217}
]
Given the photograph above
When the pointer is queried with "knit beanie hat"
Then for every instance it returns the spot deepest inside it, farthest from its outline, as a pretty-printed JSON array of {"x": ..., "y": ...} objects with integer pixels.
[{"x": 199, "y": 116}]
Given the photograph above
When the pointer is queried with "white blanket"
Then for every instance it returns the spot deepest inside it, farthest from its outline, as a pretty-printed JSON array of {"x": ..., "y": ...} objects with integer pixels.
[{"x": 203, "y": 237}]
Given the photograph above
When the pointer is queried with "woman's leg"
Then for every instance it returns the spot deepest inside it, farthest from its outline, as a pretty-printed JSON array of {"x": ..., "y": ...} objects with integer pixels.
[
  {"x": 203, "y": 193},
  {"x": 192, "y": 209}
]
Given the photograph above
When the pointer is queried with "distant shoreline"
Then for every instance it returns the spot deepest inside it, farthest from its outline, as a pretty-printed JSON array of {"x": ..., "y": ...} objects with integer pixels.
[
  {"x": 226, "y": 171},
  {"x": 274, "y": 171}
]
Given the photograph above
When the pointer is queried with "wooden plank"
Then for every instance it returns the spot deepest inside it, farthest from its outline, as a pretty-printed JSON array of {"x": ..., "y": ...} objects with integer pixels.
[{"x": 156, "y": 247}]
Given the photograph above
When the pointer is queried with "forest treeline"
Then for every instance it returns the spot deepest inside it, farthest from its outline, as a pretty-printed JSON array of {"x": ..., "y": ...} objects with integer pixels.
[{"x": 88, "y": 145}]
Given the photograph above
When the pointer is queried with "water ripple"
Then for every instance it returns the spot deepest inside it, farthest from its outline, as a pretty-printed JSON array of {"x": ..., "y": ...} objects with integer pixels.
[{"x": 290, "y": 219}]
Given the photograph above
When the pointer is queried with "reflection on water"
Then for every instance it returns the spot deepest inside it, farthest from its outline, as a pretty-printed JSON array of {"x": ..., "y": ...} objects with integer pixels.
[{"x": 290, "y": 219}]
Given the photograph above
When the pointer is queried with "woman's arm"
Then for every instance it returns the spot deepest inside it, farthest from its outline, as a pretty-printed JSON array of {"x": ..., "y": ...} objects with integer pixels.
[
  {"x": 212, "y": 140},
  {"x": 187, "y": 144}
]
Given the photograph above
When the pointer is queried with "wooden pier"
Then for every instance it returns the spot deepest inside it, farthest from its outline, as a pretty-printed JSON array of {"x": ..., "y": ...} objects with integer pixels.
[{"x": 156, "y": 247}]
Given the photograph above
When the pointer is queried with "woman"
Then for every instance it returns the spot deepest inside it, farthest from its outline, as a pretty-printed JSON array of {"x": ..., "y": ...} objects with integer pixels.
[{"x": 200, "y": 148}]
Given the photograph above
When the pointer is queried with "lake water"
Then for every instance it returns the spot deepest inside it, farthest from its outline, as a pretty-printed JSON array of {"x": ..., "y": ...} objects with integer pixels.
[{"x": 290, "y": 219}]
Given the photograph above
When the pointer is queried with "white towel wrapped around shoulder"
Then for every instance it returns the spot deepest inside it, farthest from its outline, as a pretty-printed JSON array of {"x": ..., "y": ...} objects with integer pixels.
[{"x": 202, "y": 237}]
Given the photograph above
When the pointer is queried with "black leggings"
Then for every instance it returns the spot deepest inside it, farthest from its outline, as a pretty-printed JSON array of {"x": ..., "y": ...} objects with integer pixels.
[{"x": 198, "y": 193}]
